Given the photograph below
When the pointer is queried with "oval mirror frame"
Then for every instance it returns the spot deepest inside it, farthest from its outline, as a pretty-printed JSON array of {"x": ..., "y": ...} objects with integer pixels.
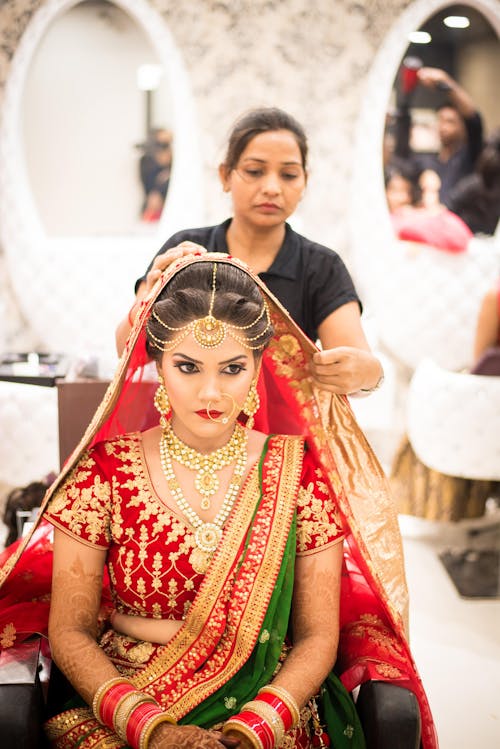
[
  {"x": 370, "y": 229},
  {"x": 66, "y": 278}
]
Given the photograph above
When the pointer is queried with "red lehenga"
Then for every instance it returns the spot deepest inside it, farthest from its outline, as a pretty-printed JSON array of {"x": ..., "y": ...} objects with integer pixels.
[{"x": 228, "y": 645}]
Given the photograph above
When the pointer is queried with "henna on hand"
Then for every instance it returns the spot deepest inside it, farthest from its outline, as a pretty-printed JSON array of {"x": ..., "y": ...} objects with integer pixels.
[{"x": 167, "y": 736}]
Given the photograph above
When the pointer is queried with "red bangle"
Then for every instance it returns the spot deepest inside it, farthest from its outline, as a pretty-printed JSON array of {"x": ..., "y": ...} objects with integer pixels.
[
  {"x": 137, "y": 721},
  {"x": 277, "y": 704},
  {"x": 259, "y": 726},
  {"x": 110, "y": 700}
]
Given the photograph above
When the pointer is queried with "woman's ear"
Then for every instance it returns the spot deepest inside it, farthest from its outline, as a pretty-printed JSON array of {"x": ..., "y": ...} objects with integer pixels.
[{"x": 224, "y": 176}]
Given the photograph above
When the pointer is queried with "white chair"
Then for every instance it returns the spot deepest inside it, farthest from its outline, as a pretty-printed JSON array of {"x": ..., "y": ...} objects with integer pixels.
[
  {"x": 426, "y": 301},
  {"x": 454, "y": 421}
]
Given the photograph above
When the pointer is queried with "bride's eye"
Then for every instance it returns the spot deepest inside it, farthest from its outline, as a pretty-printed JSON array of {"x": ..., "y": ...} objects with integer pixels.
[
  {"x": 234, "y": 369},
  {"x": 186, "y": 367}
]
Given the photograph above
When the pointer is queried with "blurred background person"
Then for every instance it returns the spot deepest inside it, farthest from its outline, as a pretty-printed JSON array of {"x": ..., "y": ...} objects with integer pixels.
[
  {"x": 476, "y": 198},
  {"x": 154, "y": 168},
  {"x": 459, "y": 126}
]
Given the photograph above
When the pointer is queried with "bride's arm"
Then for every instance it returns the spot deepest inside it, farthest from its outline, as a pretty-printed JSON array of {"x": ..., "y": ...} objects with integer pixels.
[
  {"x": 75, "y": 601},
  {"x": 315, "y": 623}
]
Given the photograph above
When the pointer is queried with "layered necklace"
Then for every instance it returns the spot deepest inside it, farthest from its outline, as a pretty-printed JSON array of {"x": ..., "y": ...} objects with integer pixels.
[
  {"x": 206, "y": 535},
  {"x": 206, "y": 481}
]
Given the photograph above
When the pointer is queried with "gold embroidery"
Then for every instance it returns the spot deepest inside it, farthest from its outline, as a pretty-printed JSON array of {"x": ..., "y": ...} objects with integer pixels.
[
  {"x": 318, "y": 520},
  {"x": 390, "y": 672},
  {"x": 8, "y": 636}
]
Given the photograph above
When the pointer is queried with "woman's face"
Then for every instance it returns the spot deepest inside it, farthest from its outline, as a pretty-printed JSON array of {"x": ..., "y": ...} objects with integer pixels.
[
  {"x": 398, "y": 193},
  {"x": 202, "y": 380},
  {"x": 268, "y": 181}
]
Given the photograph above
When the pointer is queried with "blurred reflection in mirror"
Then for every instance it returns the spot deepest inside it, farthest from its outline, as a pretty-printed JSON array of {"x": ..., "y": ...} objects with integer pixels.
[
  {"x": 444, "y": 99},
  {"x": 83, "y": 116},
  {"x": 154, "y": 167}
]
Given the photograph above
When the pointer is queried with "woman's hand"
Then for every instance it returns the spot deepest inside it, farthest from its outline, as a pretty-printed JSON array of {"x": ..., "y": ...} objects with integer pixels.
[
  {"x": 167, "y": 736},
  {"x": 165, "y": 259},
  {"x": 345, "y": 370}
]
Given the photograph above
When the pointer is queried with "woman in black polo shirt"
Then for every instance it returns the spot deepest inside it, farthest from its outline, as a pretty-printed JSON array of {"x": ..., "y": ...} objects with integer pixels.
[{"x": 265, "y": 170}]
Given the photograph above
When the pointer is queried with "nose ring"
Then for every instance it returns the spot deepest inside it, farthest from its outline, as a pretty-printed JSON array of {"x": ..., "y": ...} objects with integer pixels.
[{"x": 225, "y": 419}]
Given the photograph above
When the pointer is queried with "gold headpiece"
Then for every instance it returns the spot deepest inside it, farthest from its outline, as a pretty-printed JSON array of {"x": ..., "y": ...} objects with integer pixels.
[{"x": 208, "y": 331}]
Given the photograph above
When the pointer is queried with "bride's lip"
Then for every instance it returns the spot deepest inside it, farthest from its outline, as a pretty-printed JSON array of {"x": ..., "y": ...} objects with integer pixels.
[{"x": 209, "y": 415}]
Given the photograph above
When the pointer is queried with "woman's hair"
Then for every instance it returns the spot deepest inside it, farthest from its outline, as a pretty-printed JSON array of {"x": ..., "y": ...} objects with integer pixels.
[
  {"x": 488, "y": 164},
  {"x": 408, "y": 171},
  {"x": 264, "y": 120},
  {"x": 187, "y": 297}
]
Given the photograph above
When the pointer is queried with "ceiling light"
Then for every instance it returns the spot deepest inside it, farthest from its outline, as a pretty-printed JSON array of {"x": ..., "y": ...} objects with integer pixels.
[
  {"x": 456, "y": 22},
  {"x": 419, "y": 37}
]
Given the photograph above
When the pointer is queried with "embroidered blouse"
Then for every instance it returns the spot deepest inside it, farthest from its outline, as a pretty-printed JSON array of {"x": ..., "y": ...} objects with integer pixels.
[{"x": 108, "y": 502}]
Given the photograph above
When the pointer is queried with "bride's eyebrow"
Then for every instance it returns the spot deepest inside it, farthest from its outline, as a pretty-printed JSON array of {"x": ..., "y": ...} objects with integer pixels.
[
  {"x": 240, "y": 357},
  {"x": 189, "y": 358}
]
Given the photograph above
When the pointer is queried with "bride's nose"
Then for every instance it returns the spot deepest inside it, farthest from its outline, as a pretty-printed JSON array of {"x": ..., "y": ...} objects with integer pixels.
[{"x": 210, "y": 390}]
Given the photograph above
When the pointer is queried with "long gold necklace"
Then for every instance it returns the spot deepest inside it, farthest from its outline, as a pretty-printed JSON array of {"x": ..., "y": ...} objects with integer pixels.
[
  {"x": 206, "y": 535},
  {"x": 206, "y": 481}
]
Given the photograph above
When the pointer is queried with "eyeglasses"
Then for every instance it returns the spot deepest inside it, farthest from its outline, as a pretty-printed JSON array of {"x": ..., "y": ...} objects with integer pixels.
[
  {"x": 292, "y": 176},
  {"x": 161, "y": 146}
]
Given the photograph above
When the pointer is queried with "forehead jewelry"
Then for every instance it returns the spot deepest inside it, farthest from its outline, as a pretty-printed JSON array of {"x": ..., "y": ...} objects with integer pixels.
[
  {"x": 209, "y": 331},
  {"x": 206, "y": 535},
  {"x": 206, "y": 465}
]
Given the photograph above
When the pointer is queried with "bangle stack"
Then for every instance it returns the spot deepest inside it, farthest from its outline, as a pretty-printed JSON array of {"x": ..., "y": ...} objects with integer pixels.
[
  {"x": 265, "y": 720},
  {"x": 131, "y": 714}
]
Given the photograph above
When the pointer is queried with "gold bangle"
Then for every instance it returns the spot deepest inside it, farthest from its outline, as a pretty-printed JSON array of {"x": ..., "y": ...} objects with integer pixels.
[
  {"x": 233, "y": 724},
  {"x": 150, "y": 726},
  {"x": 290, "y": 702},
  {"x": 125, "y": 708},
  {"x": 270, "y": 715},
  {"x": 101, "y": 691}
]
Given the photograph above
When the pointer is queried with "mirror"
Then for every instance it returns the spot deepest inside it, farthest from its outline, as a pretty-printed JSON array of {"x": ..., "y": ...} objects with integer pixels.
[
  {"x": 403, "y": 288},
  {"x": 88, "y": 120},
  {"x": 60, "y": 278},
  {"x": 452, "y": 58}
]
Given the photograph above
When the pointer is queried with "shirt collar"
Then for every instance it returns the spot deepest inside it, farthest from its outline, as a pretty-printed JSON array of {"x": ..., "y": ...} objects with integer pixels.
[{"x": 286, "y": 262}]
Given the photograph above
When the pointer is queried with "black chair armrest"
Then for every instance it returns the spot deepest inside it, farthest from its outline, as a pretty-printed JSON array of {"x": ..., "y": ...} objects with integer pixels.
[
  {"x": 21, "y": 697},
  {"x": 390, "y": 716}
]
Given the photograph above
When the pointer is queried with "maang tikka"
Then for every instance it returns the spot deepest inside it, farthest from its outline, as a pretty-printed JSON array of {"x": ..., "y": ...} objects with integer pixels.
[
  {"x": 209, "y": 331},
  {"x": 161, "y": 401}
]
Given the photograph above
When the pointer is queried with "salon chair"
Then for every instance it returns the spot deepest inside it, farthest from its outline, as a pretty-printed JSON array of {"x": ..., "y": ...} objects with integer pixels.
[
  {"x": 453, "y": 427},
  {"x": 389, "y": 714}
]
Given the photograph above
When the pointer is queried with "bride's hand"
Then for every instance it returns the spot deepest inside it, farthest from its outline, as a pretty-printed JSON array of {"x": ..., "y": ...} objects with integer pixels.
[{"x": 167, "y": 736}]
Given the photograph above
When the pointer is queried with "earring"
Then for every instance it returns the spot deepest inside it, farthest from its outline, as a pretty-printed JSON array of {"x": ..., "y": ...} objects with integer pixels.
[
  {"x": 251, "y": 404},
  {"x": 161, "y": 401}
]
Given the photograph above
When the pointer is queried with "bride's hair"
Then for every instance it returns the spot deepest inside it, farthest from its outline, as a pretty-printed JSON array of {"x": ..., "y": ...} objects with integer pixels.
[{"x": 187, "y": 297}]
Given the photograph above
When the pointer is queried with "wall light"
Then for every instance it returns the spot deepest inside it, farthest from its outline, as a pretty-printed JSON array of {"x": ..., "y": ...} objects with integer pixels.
[
  {"x": 148, "y": 77},
  {"x": 419, "y": 37},
  {"x": 456, "y": 22}
]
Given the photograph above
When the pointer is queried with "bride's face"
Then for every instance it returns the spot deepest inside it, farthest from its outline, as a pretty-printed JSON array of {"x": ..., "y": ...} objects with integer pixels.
[{"x": 207, "y": 387}]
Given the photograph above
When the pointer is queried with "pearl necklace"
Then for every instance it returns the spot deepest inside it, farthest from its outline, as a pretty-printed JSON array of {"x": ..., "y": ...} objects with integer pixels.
[
  {"x": 206, "y": 465},
  {"x": 206, "y": 535}
]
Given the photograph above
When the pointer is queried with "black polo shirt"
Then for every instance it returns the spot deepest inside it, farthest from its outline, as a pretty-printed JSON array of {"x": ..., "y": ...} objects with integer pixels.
[{"x": 310, "y": 280}]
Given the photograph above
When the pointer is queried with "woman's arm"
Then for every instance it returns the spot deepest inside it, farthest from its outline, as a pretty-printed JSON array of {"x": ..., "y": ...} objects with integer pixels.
[
  {"x": 346, "y": 364},
  {"x": 488, "y": 324},
  {"x": 74, "y": 608},
  {"x": 315, "y": 623}
]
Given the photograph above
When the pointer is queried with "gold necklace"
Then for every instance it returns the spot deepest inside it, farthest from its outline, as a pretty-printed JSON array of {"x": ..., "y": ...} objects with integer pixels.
[
  {"x": 206, "y": 535},
  {"x": 206, "y": 481}
]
